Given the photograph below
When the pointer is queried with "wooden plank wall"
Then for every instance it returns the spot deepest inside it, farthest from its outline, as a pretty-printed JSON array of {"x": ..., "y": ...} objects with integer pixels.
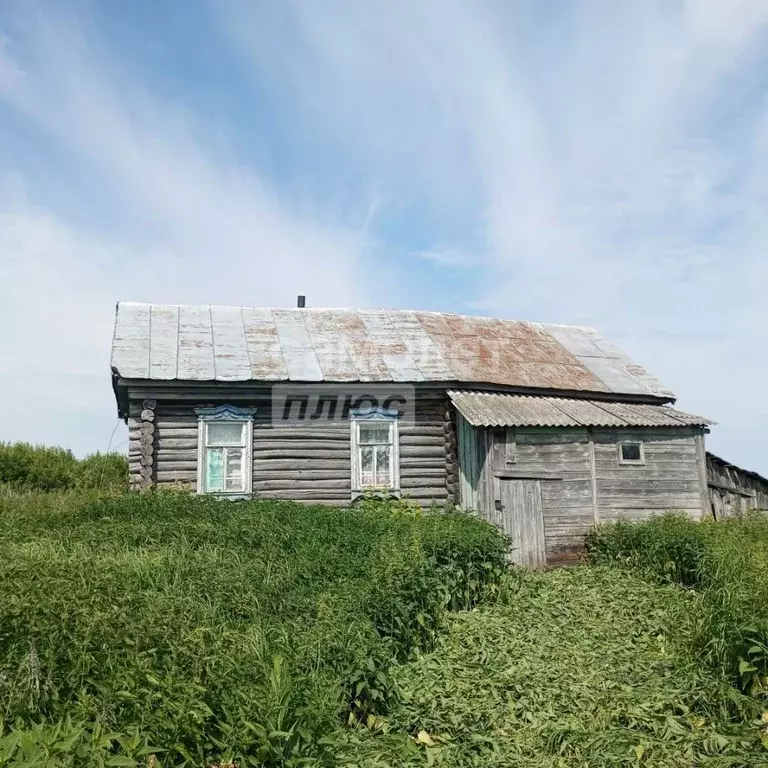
[
  {"x": 732, "y": 490},
  {"x": 308, "y": 464},
  {"x": 591, "y": 484},
  {"x": 669, "y": 479},
  {"x": 566, "y": 502}
]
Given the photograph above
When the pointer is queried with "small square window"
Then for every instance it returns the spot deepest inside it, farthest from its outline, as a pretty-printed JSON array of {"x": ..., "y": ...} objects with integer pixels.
[{"x": 631, "y": 453}]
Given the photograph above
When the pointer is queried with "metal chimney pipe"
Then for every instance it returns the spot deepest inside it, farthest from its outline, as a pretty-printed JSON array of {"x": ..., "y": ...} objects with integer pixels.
[{"x": 301, "y": 301}]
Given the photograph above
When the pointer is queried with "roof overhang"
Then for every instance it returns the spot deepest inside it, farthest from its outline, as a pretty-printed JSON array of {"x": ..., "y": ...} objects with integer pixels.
[{"x": 486, "y": 409}]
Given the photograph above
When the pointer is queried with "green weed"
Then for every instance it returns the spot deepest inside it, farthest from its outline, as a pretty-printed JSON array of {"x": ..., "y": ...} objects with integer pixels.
[
  {"x": 725, "y": 565},
  {"x": 213, "y": 632}
]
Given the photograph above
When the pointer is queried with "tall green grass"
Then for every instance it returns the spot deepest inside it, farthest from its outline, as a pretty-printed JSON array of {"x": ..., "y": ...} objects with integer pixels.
[
  {"x": 725, "y": 565},
  {"x": 41, "y": 468},
  {"x": 204, "y": 631}
]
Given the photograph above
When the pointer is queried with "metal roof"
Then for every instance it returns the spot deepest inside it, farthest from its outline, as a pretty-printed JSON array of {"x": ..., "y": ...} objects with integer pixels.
[
  {"x": 486, "y": 409},
  {"x": 214, "y": 343}
]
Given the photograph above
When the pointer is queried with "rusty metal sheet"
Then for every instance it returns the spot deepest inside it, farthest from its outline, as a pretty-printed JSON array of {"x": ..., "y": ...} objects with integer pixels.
[
  {"x": 241, "y": 343},
  {"x": 130, "y": 342},
  {"x": 420, "y": 346},
  {"x": 230, "y": 351},
  {"x": 195, "y": 344},
  {"x": 265, "y": 355},
  {"x": 328, "y": 343},
  {"x": 363, "y": 351},
  {"x": 296, "y": 344},
  {"x": 163, "y": 342},
  {"x": 391, "y": 346}
]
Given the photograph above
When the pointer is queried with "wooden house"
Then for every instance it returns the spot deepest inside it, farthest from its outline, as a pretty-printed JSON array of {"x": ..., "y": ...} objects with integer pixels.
[
  {"x": 733, "y": 490},
  {"x": 542, "y": 429}
]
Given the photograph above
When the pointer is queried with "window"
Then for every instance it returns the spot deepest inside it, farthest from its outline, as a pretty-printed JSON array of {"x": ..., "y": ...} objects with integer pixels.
[
  {"x": 225, "y": 436},
  {"x": 375, "y": 450},
  {"x": 631, "y": 453}
]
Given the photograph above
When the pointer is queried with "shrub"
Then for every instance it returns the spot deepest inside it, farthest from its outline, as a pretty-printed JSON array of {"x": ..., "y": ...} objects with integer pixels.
[
  {"x": 725, "y": 563},
  {"x": 28, "y": 467},
  {"x": 219, "y": 631}
]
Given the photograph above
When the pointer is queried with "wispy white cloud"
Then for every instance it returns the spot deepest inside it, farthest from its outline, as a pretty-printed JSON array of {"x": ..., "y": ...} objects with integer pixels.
[
  {"x": 609, "y": 159},
  {"x": 589, "y": 162},
  {"x": 202, "y": 228}
]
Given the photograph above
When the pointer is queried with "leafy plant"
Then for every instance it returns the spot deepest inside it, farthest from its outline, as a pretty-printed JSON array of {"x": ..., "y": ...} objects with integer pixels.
[
  {"x": 247, "y": 632},
  {"x": 725, "y": 564},
  {"x": 25, "y": 467}
]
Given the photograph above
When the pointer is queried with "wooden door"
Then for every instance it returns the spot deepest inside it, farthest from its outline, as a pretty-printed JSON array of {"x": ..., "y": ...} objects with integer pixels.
[{"x": 521, "y": 518}]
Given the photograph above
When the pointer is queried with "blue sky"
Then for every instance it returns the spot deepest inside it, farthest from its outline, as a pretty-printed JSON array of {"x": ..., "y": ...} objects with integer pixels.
[{"x": 584, "y": 162}]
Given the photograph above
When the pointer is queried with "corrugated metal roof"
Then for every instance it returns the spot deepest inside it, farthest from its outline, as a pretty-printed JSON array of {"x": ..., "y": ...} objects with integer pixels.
[
  {"x": 487, "y": 409},
  {"x": 212, "y": 343}
]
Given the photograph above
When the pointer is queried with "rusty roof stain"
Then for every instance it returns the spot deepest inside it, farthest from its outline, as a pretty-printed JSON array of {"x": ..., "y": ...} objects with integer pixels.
[
  {"x": 494, "y": 409},
  {"x": 213, "y": 343}
]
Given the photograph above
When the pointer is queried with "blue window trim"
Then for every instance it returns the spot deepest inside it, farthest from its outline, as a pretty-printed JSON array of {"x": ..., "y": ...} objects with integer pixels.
[
  {"x": 374, "y": 414},
  {"x": 388, "y": 416},
  {"x": 225, "y": 413},
  {"x": 229, "y": 413}
]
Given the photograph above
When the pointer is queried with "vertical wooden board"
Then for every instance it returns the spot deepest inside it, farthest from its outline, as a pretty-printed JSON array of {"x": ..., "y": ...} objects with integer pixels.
[
  {"x": 295, "y": 341},
  {"x": 701, "y": 463},
  {"x": 130, "y": 343},
  {"x": 523, "y": 521},
  {"x": 593, "y": 479},
  {"x": 467, "y": 463},
  {"x": 195, "y": 361},
  {"x": 163, "y": 342},
  {"x": 230, "y": 352}
]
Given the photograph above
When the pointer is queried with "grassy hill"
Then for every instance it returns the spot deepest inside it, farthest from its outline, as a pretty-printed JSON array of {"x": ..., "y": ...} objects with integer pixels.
[{"x": 166, "y": 629}]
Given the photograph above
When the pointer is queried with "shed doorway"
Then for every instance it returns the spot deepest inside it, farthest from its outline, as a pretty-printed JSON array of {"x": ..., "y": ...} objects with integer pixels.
[{"x": 519, "y": 506}]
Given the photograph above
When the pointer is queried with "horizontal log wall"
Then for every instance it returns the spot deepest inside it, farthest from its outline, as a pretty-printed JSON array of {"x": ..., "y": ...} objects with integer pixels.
[
  {"x": 668, "y": 480},
  {"x": 305, "y": 463}
]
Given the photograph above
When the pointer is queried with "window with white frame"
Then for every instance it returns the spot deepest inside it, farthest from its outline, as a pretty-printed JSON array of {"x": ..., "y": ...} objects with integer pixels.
[
  {"x": 631, "y": 453},
  {"x": 375, "y": 450},
  {"x": 225, "y": 438}
]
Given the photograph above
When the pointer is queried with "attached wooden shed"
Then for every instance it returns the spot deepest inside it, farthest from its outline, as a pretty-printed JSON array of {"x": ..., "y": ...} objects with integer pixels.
[{"x": 542, "y": 429}]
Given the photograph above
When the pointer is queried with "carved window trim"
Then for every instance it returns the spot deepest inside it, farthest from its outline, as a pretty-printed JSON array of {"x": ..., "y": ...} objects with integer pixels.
[
  {"x": 366, "y": 415},
  {"x": 233, "y": 415}
]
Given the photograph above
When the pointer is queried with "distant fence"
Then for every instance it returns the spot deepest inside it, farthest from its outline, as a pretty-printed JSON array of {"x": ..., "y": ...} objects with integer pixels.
[{"x": 733, "y": 490}]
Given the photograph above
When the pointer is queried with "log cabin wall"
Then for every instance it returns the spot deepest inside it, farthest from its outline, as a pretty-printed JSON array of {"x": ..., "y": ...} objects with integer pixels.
[{"x": 304, "y": 463}]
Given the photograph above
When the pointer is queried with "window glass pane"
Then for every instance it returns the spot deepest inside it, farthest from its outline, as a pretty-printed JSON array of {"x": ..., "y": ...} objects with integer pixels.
[
  {"x": 630, "y": 451},
  {"x": 225, "y": 432},
  {"x": 234, "y": 469},
  {"x": 373, "y": 432},
  {"x": 367, "y": 475},
  {"x": 214, "y": 470},
  {"x": 382, "y": 466}
]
